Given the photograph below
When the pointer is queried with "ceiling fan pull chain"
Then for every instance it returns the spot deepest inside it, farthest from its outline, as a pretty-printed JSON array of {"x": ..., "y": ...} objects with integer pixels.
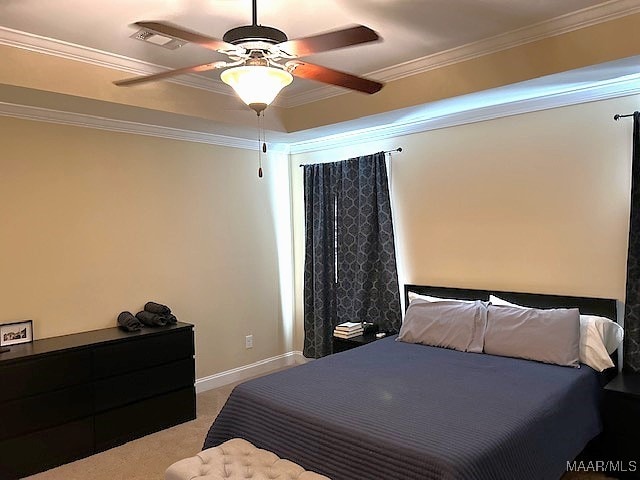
[
  {"x": 259, "y": 149},
  {"x": 264, "y": 135}
]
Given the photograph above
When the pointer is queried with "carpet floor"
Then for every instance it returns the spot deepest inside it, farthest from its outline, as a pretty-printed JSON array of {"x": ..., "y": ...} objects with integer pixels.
[{"x": 147, "y": 458}]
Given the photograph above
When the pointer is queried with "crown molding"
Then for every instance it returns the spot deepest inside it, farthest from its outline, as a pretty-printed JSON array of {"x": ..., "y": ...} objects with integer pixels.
[
  {"x": 563, "y": 24},
  {"x": 28, "y": 112},
  {"x": 629, "y": 85},
  {"x": 458, "y": 111},
  {"x": 549, "y": 28},
  {"x": 463, "y": 113},
  {"x": 92, "y": 56}
]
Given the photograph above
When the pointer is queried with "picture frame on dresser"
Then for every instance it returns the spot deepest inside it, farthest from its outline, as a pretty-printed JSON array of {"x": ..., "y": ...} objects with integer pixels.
[{"x": 15, "y": 333}]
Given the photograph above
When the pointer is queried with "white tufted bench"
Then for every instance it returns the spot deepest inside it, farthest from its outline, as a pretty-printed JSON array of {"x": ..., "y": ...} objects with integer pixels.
[{"x": 238, "y": 459}]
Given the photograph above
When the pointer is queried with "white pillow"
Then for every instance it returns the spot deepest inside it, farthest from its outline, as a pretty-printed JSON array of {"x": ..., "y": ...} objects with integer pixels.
[
  {"x": 493, "y": 300},
  {"x": 413, "y": 296},
  {"x": 599, "y": 337}
]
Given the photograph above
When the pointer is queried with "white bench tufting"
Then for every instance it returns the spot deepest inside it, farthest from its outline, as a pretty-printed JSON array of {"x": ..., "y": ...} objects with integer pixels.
[{"x": 238, "y": 459}]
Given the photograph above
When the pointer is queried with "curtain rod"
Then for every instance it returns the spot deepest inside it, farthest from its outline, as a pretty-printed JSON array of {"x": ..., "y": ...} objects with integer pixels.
[
  {"x": 618, "y": 116},
  {"x": 399, "y": 149}
]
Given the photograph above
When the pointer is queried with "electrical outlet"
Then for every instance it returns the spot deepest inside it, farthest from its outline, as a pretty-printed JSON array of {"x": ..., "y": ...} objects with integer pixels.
[{"x": 248, "y": 341}]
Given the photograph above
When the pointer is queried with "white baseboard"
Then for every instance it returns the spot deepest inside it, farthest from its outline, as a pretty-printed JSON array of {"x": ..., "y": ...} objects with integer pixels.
[{"x": 248, "y": 371}]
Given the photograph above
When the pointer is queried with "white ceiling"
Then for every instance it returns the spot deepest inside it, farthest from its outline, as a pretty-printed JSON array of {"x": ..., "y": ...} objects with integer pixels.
[{"x": 412, "y": 30}]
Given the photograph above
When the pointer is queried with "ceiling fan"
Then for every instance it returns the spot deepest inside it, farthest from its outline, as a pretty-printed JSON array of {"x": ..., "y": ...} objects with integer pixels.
[{"x": 256, "y": 52}]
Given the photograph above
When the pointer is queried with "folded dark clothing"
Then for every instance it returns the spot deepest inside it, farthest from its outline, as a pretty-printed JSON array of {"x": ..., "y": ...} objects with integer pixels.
[
  {"x": 171, "y": 319},
  {"x": 154, "y": 307},
  {"x": 151, "y": 319},
  {"x": 128, "y": 322}
]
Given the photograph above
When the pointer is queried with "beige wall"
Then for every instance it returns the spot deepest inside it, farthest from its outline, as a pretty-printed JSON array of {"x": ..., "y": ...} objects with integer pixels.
[
  {"x": 96, "y": 222},
  {"x": 536, "y": 202}
]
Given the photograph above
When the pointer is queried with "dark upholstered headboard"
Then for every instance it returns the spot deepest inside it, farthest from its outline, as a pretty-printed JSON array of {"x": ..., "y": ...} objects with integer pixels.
[{"x": 603, "y": 307}]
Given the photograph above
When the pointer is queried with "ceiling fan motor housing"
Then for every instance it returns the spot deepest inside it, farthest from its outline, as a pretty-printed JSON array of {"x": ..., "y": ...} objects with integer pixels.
[{"x": 249, "y": 33}]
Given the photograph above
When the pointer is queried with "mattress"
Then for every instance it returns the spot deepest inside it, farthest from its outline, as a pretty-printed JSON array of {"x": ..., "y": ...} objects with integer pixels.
[{"x": 394, "y": 410}]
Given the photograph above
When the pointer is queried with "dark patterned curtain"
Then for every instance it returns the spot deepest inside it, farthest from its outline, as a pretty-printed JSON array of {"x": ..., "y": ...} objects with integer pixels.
[
  {"x": 319, "y": 261},
  {"x": 632, "y": 302},
  {"x": 350, "y": 264}
]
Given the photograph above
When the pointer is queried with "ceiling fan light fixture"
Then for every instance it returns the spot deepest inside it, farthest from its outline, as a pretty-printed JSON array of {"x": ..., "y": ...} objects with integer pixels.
[{"x": 256, "y": 85}]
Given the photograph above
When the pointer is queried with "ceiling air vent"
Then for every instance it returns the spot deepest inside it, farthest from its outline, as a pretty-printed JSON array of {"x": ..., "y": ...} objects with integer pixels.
[{"x": 157, "y": 39}]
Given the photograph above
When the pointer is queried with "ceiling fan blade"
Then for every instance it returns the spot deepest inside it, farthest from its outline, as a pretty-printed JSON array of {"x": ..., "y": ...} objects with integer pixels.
[
  {"x": 333, "y": 77},
  {"x": 180, "y": 33},
  {"x": 328, "y": 41},
  {"x": 170, "y": 73}
]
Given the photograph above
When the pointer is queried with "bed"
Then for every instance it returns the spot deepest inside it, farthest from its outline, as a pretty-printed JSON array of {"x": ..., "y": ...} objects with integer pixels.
[{"x": 395, "y": 410}]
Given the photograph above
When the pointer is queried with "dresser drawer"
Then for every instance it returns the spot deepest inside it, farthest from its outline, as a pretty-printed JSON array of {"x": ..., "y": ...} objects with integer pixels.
[
  {"x": 31, "y": 377},
  {"x": 121, "y": 425},
  {"x": 43, "y": 411},
  {"x": 45, "y": 449},
  {"x": 141, "y": 353},
  {"x": 124, "y": 389}
]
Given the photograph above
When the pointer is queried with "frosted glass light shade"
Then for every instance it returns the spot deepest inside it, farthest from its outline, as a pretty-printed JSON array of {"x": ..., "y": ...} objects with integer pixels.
[{"x": 256, "y": 84}]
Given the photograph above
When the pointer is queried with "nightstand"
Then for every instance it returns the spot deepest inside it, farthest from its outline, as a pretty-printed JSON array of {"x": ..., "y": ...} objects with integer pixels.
[
  {"x": 342, "y": 344},
  {"x": 621, "y": 418}
]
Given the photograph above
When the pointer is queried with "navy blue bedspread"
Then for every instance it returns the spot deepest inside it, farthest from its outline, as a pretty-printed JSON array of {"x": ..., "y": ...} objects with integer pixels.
[{"x": 393, "y": 410}]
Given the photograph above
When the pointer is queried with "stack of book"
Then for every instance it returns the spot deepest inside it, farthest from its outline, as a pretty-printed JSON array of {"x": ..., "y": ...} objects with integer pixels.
[{"x": 348, "y": 330}]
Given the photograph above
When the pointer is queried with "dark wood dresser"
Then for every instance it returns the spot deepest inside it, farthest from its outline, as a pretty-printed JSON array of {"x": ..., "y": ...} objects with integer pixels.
[{"x": 68, "y": 397}]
